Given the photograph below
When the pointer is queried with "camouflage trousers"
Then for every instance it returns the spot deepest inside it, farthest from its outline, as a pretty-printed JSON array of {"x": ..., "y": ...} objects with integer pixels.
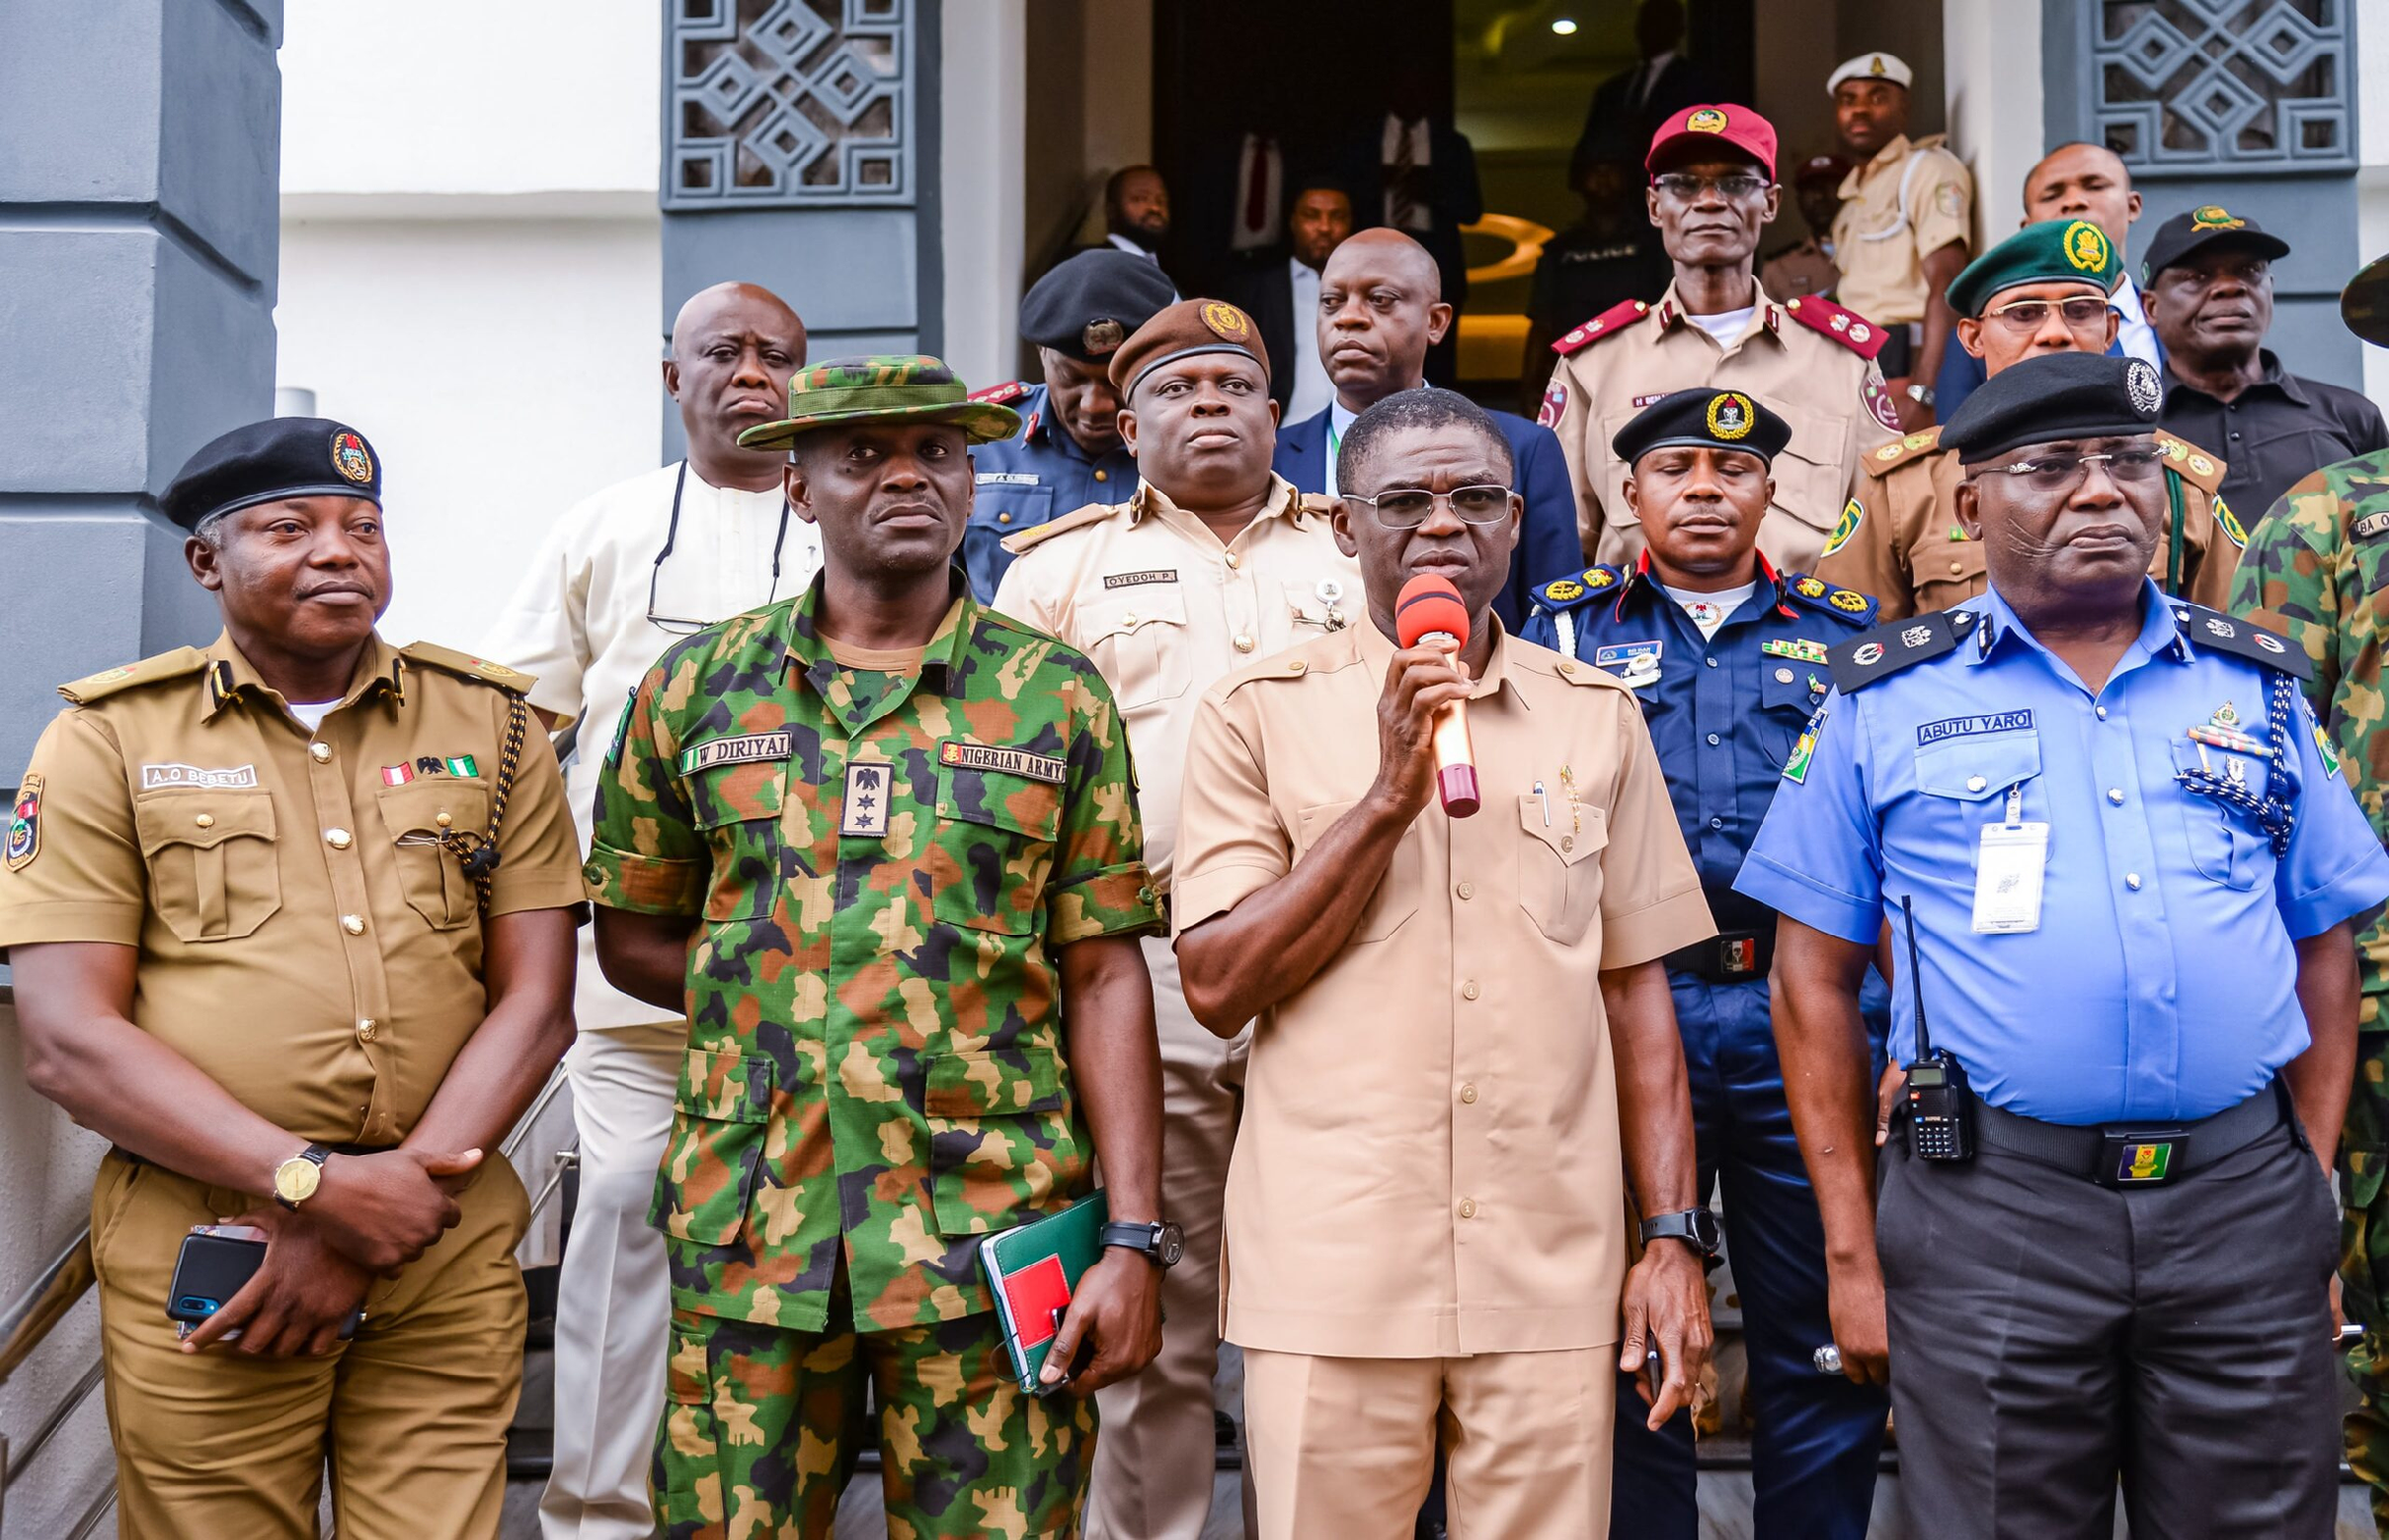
[
  {"x": 2364, "y": 1259},
  {"x": 762, "y": 1427}
]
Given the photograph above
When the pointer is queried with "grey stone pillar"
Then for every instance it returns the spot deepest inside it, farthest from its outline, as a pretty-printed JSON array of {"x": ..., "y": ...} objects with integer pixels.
[{"x": 139, "y": 223}]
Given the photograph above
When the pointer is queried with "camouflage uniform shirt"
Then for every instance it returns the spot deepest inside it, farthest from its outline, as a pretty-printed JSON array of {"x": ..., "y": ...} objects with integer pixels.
[{"x": 885, "y": 864}]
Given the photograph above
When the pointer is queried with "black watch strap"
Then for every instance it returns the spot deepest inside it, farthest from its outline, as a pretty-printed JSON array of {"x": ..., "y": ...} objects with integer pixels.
[
  {"x": 1696, "y": 1227},
  {"x": 1158, "y": 1244}
]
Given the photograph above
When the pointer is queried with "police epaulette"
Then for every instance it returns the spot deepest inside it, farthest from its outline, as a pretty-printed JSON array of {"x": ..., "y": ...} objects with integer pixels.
[
  {"x": 1882, "y": 462},
  {"x": 1038, "y": 534},
  {"x": 2196, "y": 465},
  {"x": 1607, "y": 323},
  {"x": 465, "y": 666},
  {"x": 2243, "y": 637},
  {"x": 1844, "y": 605},
  {"x": 1001, "y": 395},
  {"x": 1847, "y": 327},
  {"x": 149, "y": 670},
  {"x": 1560, "y": 592},
  {"x": 1887, "y": 649}
]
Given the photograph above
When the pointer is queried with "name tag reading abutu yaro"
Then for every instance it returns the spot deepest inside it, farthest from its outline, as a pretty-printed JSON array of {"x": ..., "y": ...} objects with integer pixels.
[{"x": 2010, "y": 865}]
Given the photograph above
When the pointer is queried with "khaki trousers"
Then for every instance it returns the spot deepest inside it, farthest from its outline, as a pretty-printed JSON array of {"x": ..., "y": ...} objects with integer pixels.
[
  {"x": 614, "y": 1312},
  {"x": 412, "y": 1414},
  {"x": 1345, "y": 1447},
  {"x": 1156, "y": 1464}
]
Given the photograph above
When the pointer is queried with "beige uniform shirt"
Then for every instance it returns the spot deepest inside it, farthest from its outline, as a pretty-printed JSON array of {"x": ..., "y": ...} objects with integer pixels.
[
  {"x": 1823, "y": 383},
  {"x": 1912, "y": 199},
  {"x": 1899, "y": 538},
  {"x": 1428, "y": 1163},
  {"x": 1798, "y": 270},
  {"x": 1146, "y": 591},
  {"x": 301, "y": 940}
]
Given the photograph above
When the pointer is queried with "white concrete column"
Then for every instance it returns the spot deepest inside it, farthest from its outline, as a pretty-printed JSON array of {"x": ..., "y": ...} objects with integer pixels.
[
  {"x": 983, "y": 113},
  {"x": 1992, "y": 64},
  {"x": 2372, "y": 176}
]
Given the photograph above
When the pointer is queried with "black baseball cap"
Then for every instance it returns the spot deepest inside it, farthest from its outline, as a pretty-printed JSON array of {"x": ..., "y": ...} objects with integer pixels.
[{"x": 2201, "y": 227}]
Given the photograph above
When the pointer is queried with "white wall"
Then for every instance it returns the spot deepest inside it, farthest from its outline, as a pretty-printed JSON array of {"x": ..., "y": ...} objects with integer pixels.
[
  {"x": 1992, "y": 64},
  {"x": 983, "y": 112},
  {"x": 2372, "y": 143}
]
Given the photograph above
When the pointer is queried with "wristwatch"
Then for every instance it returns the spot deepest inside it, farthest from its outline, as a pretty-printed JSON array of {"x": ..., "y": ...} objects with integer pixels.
[
  {"x": 296, "y": 1180},
  {"x": 1160, "y": 1244},
  {"x": 1696, "y": 1226},
  {"x": 1921, "y": 394}
]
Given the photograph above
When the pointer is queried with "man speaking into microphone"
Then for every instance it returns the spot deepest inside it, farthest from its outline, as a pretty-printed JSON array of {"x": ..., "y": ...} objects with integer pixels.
[{"x": 1463, "y": 1045}]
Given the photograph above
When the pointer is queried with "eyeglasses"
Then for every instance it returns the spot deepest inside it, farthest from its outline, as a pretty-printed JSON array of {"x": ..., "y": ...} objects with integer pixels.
[
  {"x": 2030, "y": 316},
  {"x": 2063, "y": 473},
  {"x": 672, "y": 535},
  {"x": 1684, "y": 188},
  {"x": 1407, "y": 507}
]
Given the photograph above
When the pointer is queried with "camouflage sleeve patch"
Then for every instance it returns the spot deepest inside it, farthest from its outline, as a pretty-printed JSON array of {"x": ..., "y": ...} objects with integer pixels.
[
  {"x": 1099, "y": 886},
  {"x": 645, "y": 852}
]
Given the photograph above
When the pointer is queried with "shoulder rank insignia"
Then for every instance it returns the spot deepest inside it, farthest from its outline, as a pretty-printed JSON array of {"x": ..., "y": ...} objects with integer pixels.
[
  {"x": 1889, "y": 458},
  {"x": 1003, "y": 394},
  {"x": 466, "y": 666},
  {"x": 2241, "y": 637},
  {"x": 1562, "y": 591},
  {"x": 149, "y": 670},
  {"x": 1613, "y": 319},
  {"x": 2195, "y": 464},
  {"x": 1811, "y": 588},
  {"x": 1890, "y": 648},
  {"x": 1844, "y": 605},
  {"x": 1600, "y": 577},
  {"x": 1847, "y": 327},
  {"x": 1036, "y": 534}
]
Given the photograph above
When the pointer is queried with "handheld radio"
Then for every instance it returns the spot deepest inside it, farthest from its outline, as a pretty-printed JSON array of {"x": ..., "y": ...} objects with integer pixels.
[{"x": 1941, "y": 1110}]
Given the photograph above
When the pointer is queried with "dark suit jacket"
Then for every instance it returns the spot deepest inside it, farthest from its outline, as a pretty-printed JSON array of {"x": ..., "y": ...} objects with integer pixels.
[
  {"x": 1548, "y": 546},
  {"x": 1614, "y": 124},
  {"x": 1265, "y": 291},
  {"x": 1453, "y": 198}
]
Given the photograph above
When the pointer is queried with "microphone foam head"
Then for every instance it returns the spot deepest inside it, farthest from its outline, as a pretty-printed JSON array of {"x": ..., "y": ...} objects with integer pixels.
[{"x": 1428, "y": 604}]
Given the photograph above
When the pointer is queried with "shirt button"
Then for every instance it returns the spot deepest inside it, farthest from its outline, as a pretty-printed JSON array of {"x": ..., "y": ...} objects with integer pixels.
[
  {"x": 1233, "y": 560},
  {"x": 1974, "y": 783},
  {"x": 205, "y": 821},
  {"x": 1956, "y": 569},
  {"x": 321, "y": 753},
  {"x": 1717, "y": 823},
  {"x": 1714, "y": 740},
  {"x": 1468, "y": 1208},
  {"x": 337, "y": 838},
  {"x": 1003, "y": 518},
  {"x": 2131, "y": 880},
  {"x": 1783, "y": 675},
  {"x": 1712, "y": 662},
  {"x": 367, "y": 1031},
  {"x": 1468, "y": 1093},
  {"x": 1568, "y": 842},
  {"x": 1102, "y": 476},
  {"x": 354, "y": 924},
  {"x": 2102, "y": 711},
  {"x": 1468, "y": 890},
  {"x": 1567, "y": 666},
  {"x": 1297, "y": 666},
  {"x": 1244, "y": 645},
  {"x": 2115, "y": 794},
  {"x": 1469, "y": 990},
  {"x": 441, "y": 818}
]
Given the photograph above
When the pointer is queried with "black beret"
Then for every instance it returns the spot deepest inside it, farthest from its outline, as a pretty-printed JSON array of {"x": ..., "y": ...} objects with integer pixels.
[
  {"x": 1707, "y": 418},
  {"x": 1088, "y": 305},
  {"x": 265, "y": 461},
  {"x": 2054, "y": 395}
]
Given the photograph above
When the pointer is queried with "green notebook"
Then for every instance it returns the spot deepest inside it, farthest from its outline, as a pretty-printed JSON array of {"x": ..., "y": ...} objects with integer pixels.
[{"x": 1033, "y": 1270}]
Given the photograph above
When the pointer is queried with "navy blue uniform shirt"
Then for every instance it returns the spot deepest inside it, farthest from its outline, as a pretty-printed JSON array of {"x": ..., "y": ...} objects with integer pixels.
[{"x": 1037, "y": 475}]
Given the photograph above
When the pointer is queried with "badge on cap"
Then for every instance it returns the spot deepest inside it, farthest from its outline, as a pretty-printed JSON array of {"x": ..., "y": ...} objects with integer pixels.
[
  {"x": 2214, "y": 216},
  {"x": 1226, "y": 320},
  {"x": 2087, "y": 246},
  {"x": 1875, "y": 65},
  {"x": 1102, "y": 337},
  {"x": 2141, "y": 381},
  {"x": 1730, "y": 415},
  {"x": 1709, "y": 120},
  {"x": 351, "y": 457}
]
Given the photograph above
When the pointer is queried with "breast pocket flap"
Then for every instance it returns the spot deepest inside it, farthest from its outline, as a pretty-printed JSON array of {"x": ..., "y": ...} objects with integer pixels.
[{"x": 1975, "y": 766}]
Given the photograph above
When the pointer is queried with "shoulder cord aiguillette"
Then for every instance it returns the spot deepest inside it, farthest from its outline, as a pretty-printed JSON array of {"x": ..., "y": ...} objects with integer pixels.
[{"x": 479, "y": 852}]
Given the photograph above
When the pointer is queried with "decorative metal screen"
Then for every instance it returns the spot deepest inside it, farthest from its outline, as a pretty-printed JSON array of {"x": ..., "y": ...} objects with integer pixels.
[
  {"x": 788, "y": 104},
  {"x": 2225, "y": 84}
]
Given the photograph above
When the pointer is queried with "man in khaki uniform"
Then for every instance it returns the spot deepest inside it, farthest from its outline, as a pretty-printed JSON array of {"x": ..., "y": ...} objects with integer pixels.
[
  {"x": 1900, "y": 236},
  {"x": 1808, "y": 360},
  {"x": 1215, "y": 562},
  {"x": 2047, "y": 288},
  {"x": 1463, "y": 1049},
  {"x": 290, "y": 919}
]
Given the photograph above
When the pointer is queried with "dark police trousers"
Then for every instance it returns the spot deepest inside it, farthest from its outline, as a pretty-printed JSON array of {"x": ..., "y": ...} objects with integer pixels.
[
  {"x": 2051, "y": 1337},
  {"x": 1816, "y": 1439}
]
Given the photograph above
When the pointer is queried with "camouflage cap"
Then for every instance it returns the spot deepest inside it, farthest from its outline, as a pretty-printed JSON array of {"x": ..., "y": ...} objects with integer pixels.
[
  {"x": 2055, "y": 251},
  {"x": 905, "y": 388},
  {"x": 2364, "y": 303}
]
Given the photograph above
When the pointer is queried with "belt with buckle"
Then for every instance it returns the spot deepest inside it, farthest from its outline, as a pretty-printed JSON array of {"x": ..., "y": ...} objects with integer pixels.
[{"x": 2126, "y": 1154}]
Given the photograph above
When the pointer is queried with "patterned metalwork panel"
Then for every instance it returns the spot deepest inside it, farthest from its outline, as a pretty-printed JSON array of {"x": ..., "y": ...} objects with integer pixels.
[
  {"x": 2228, "y": 85},
  {"x": 788, "y": 104}
]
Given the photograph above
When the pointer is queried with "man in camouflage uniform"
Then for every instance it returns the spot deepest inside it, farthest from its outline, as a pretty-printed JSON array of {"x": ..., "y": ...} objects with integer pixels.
[
  {"x": 874, "y": 835},
  {"x": 2314, "y": 570}
]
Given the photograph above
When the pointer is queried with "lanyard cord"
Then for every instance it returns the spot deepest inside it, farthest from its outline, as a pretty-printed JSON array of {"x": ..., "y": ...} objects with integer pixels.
[
  {"x": 2272, "y": 811},
  {"x": 671, "y": 538}
]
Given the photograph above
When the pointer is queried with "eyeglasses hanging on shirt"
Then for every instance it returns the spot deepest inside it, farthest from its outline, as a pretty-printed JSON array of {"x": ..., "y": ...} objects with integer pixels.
[{"x": 671, "y": 536}]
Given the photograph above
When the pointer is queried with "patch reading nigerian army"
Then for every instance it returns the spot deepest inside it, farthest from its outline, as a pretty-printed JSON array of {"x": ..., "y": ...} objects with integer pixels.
[
  {"x": 736, "y": 751},
  {"x": 1011, "y": 761}
]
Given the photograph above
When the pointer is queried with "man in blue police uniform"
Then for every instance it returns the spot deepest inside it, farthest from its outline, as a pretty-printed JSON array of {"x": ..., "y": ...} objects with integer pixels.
[
  {"x": 2103, "y": 1248},
  {"x": 1728, "y": 657},
  {"x": 1068, "y": 453}
]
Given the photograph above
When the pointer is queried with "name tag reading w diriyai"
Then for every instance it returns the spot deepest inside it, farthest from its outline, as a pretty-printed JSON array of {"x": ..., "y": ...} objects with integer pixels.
[{"x": 752, "y": 747}]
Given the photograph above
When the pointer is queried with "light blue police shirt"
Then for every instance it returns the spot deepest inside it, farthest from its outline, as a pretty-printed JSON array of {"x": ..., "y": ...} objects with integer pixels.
[{"x": 2160, "y": 982}]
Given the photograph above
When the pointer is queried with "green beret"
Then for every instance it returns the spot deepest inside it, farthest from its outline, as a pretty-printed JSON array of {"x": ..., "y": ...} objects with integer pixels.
[{"x": 2059, "y": 251}]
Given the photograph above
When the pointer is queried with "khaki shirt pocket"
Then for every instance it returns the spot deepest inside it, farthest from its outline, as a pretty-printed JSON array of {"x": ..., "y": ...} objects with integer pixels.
[
  {"x": 1397, "y": 894},
  {"x": 1558, "y": 881},
  {"x": 999, "y": 830},
  {"x": 211, "y": 862},
  {"x": 1137, "y": 638},
  {"x": 721, "y": 1121},
  {"x": 415, "y": 815},
  {"x": 1944, "y": 572},
  {"x": 1812, "y": 475},
  {"x": 1003, "y": 1142}
]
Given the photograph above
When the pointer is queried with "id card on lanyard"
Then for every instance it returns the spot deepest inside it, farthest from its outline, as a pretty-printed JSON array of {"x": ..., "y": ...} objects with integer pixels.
[{"x": 2010, "y": 865}]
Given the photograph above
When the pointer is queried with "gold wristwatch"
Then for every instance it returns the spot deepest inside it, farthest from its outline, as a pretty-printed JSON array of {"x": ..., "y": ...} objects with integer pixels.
[{"x": 296, "y": 1180}]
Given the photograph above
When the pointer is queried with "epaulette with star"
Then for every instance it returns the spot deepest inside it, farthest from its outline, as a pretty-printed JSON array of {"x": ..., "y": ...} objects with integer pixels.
[
  {"x": 178, "y": 664},
  {"x": 1844, "y": 605},
  {"x": 2197, "y": 466},
  {"x": 1883, "y": 461},
  {"x": 1609, "y": 322},
  {"x": 1566, "y": 592},
  {"x": 2243, "y": 637},
  {"x": 1001, "y": 395},
  {"x": 1847, "y": 327},
  {"x": 466, "y": 666}
]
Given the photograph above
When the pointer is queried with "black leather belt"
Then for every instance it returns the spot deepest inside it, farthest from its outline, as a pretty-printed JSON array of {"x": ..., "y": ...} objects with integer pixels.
[
  {"x": 1744, "y": 948},
  {"x": 130, "y": 1159},
  {"x": 2139, "y": 1155}
]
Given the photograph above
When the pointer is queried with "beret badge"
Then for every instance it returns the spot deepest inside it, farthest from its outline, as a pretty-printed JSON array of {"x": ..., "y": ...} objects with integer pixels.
[
  {"x": 2141, "y": 381},
  {"x": 2086, "y": 246},
  {"x": 1102, "y": 338},
  {"x": 1226, "y": 320},
  {"x": 1730, "y": 416},
  {"x": 351, "y": 457}
]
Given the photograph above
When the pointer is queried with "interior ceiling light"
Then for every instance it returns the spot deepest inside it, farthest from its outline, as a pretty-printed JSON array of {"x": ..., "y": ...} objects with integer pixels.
[{"x": 1566, "y": 26}]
